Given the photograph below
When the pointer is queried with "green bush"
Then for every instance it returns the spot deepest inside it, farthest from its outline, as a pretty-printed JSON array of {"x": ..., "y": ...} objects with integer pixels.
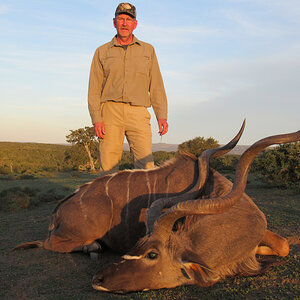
[
  {"x": 75, "y": 156},
  {"x": 225, "y": 163},
  {"x": 126, "y": 161},
  {"x": 162, "y": 156},
  {"x": 5, "y": 170},
  {"x": 197, "y": 145},
  {"x": 279, "y": 166},
  {"x": 158, "y": 157}
]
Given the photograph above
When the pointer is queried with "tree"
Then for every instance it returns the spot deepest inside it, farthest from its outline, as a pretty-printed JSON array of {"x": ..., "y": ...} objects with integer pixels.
[
  {"x": 86, "y": 138},
  {"x": 197, "y": 145}
]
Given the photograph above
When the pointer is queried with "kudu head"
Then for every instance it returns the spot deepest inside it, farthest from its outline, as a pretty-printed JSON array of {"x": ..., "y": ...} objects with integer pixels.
[{"x": 165, "y": 258}]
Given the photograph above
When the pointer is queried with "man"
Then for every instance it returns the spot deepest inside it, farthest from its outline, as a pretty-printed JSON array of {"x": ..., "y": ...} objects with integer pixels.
[{"x": 124, "y": 80}]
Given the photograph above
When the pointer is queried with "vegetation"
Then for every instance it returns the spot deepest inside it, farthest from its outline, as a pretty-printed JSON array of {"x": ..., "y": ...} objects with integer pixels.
[
  {"x": 27, "y": 158},
  {"x": 225, "y": 163},
  {"x": 17, "y": 192},
  {"x": 162, "y": 156},
  {"x": 280, "y": 166},
  {"x": 33, "y": 159},
  {"x": 85, "y": 137},
  {"x": 36, "y": 160},
  {"x": 197, "y": 145},
  {"x": 76, "y": 158}
]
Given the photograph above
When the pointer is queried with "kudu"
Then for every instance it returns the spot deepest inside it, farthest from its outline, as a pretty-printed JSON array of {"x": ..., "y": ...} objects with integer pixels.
[
  {"x": 207, "y": 234},
  {"x": 111, "y": 208}
]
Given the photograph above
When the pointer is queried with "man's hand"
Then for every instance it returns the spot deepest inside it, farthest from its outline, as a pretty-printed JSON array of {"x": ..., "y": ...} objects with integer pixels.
[
  {"x": 163, "y": 126},
  {"x": 99, "y": 128}
]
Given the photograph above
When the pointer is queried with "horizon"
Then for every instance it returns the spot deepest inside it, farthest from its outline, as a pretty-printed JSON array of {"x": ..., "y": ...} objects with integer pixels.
[{"x": 221, "y": 61}]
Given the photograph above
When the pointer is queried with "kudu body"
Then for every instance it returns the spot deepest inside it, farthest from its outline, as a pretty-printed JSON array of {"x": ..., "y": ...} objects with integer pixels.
[
  {"x": 110, "y": 208},
  {"x": 202, "y": 238}
]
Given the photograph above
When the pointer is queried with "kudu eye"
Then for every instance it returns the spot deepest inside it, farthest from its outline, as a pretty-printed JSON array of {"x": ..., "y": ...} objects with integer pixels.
[{"x": 152, "y": 255}]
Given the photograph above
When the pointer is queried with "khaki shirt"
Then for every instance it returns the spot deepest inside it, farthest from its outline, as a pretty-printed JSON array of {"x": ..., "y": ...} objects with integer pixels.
[{"x": 130, "y": 76}]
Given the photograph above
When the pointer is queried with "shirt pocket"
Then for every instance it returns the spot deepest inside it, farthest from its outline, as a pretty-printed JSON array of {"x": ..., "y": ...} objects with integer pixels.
[{"x": 142, "y": 64}]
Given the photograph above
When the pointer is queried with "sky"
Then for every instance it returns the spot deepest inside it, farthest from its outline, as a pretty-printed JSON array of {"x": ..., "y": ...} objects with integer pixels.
[{"x": 221, "y": 61}]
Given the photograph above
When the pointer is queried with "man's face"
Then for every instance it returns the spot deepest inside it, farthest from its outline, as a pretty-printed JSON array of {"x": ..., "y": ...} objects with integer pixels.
[{"x": 125, "y": 25}]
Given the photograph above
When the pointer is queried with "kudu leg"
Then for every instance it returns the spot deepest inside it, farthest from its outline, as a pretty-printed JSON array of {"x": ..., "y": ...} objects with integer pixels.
[
  {"x": 273, "y": 244},
  {"x": 93, "y": 249}
]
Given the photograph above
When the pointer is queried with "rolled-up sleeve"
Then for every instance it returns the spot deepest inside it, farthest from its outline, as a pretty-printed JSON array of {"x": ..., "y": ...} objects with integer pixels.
[
  {"x": 158, "y": 96},
  {"x": 95, "y": 88}
]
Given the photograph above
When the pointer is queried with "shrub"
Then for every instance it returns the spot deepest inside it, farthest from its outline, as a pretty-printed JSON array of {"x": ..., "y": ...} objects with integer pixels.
[
  {"x": 50, "y": 195},
  {"x": 6, "y": 177},
  {"x": 5, "y": 170},
  {"x": 16, "y": 198},
  {"x": 280, "y": 165},
  {"x": 26, "y": 177},
  {"x": 126, "y": 161},
  {"x": 158, "y": 157},
  {"x": 197, "y": 145},
  {"x": 75, "y": 156},
  {"x": 162, "y": 156},
  {"x": 225, "y": 163}
]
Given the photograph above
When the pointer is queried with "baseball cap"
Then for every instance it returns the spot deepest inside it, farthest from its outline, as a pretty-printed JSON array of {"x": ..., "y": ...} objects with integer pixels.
[{"x": 126, "y": 8}]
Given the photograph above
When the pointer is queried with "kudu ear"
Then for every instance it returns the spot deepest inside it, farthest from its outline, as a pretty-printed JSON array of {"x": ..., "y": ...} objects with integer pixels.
[{"x": 198, "y": 273}]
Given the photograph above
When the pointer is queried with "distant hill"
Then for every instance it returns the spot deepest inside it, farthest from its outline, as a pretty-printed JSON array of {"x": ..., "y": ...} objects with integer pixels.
[{"x": 239, "y": 149}]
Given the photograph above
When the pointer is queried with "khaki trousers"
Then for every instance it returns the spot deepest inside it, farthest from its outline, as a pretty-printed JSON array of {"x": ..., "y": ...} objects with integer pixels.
[{"x": 123, "y": 119}]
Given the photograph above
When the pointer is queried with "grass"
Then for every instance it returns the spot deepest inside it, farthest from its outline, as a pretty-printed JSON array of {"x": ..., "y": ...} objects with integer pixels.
[
  {"x": 41, "y": 274},
  {"x": 56, "y": 180},
  {"x": 22, "y": 191}
]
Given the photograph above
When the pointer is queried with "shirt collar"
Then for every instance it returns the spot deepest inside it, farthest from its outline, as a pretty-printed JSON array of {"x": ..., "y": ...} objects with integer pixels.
[{"x": 114, "y": 42}]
